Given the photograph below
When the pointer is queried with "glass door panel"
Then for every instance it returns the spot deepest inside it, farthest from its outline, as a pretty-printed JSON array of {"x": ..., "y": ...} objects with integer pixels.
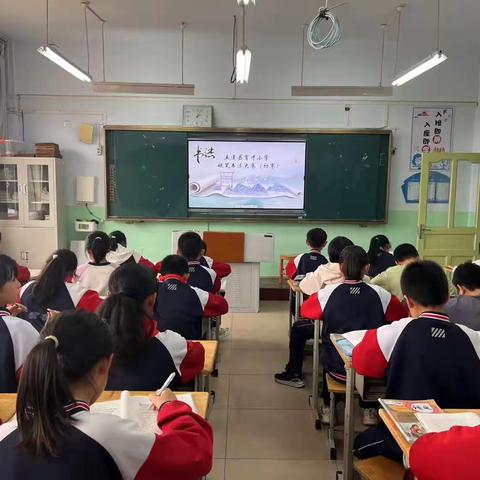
[
  {"x": 39, "y": 194},
  {"x": 10, "y": 190}
]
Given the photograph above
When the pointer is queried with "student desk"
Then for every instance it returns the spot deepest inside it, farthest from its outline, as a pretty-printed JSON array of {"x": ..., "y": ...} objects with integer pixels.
[
  {"x": 397, "y": 435},
  {"x": 8, "y": 402},
  {"x": 294, "y": 289},
  {"x": 349, "y": 411},
  {"x": 202, "y": 382}
]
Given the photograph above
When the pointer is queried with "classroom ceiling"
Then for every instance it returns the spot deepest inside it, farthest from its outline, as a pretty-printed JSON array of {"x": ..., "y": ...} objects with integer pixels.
[{"x": 25, "y": 19}]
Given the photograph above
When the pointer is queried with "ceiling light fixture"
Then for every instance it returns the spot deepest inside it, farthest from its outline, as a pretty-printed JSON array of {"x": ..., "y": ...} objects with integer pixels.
[
  {"x": 52, "y": 53},
  {"x": 341, "y": 91},
  {"x": 244, "y": 55},
  {"x": 150, "y": 88},
  {"x": 436, "y": 58}
]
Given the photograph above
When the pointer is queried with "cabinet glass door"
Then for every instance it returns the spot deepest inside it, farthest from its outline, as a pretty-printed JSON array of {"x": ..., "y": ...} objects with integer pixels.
[
  {"x": 39, "y": 188},
  {"x": 10, "y": 190}
]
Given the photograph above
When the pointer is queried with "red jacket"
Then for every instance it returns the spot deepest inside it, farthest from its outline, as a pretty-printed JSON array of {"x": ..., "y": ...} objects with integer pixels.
[
  {"x": 451, "y": 455},
  {"x": 23, "y": 274}
]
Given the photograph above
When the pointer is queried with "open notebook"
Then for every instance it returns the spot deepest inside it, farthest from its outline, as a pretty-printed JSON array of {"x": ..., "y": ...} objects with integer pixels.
[{"x": 139, "y": 409}]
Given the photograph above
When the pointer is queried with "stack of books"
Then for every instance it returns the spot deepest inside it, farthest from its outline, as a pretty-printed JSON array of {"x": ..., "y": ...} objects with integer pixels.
[{"x": 47, "y": 150}]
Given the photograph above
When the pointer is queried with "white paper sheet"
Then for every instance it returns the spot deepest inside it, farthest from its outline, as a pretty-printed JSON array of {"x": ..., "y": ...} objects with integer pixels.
[{"x": 441, "y": 422}]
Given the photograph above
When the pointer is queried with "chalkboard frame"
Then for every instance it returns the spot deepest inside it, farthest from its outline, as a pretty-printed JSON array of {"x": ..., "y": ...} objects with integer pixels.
[{"x": 241, "y": 130}]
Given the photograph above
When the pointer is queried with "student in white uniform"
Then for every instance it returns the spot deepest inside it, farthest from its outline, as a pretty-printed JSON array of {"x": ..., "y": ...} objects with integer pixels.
[{"x": 95, "y": 274}]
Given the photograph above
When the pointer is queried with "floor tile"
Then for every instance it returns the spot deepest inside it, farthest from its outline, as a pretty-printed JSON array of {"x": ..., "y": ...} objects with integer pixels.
[
  {"x": 254, "y": 362},
  {"x": 218, "y": 470},
  {"x": 271, "y": 320},
  {"x": 274, "y": 434},
  {"x": 261, "y": 392},
  {"x": 220, "y": 385},
  {"x": 259, "y": 339},
  {"x": 218, "y": 420},
  {"x": 280, "y": 469}
]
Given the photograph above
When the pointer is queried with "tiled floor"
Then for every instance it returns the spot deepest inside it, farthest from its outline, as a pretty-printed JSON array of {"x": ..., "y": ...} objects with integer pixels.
[{"x": 263, "y": 430}]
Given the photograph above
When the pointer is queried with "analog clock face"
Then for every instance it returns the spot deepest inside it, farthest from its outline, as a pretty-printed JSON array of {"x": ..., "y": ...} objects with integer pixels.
[{"x": 197, "y": 116}]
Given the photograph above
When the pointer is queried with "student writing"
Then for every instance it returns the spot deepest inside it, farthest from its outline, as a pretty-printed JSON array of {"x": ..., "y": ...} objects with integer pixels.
[
  {"x": 328, "y": 273},
  {"x": 17, "y": 336},
  {"x": 389, "y": 279},
  {"x": 309, "y": 262},
  {"x": 342, "y": 307},
  {"x": 465, "y": 309},
  {"x": 144, "y": 357},
  {"x": 61, "y": 438},
  {"x": 379, "y": 255},
  {"x": 181, "y": 307},
  {"x": 55, "y": 290},
  {"x": 119, "y": 253},
  {"x": 422, "y": 356},
  {"x": 95, "y": 274}
]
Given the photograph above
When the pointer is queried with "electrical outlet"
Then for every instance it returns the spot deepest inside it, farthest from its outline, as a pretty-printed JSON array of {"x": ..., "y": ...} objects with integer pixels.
[{"x": 99, "y": 150}]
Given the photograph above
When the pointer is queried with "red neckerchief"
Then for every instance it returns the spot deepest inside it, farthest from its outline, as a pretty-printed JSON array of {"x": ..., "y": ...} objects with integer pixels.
[
  {"x": 151, "y": 327},
  {"x": 173, "y": 276}
]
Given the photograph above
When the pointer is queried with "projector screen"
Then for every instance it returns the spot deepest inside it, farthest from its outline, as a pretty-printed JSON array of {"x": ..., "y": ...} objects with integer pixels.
[{"x": 246, "y": 175}]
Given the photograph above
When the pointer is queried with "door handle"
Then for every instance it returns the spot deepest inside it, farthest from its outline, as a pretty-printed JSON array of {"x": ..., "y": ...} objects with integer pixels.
[{"x": 26, "y": 256}]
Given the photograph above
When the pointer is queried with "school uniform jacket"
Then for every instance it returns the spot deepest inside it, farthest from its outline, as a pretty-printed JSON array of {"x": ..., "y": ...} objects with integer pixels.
[
  {"x": 71, "y": 296},
  {"x": 221, "y": 269},
  {"x": 428, "y": 357},
  {"x": 100, "y": 446},
  {"x": 447, "y": 455},
  {"x": 181, "y": 307},
  {"x": 95, "y": 276},
  {"x": 304, "y": 263},
  {"x": 17, "y": 338},
  {"x": 123, "y": 255},
  {"x": 203, "y": 277},
  {"x": 164, "y": 353},
  {"x": 344, "y": 307},
  {"x": 23, "y": 274},
  {"x": 384, "y": 260}
]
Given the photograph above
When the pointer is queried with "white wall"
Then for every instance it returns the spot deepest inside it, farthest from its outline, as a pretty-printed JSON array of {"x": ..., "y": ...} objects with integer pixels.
[{"x": 55, "y": 103}]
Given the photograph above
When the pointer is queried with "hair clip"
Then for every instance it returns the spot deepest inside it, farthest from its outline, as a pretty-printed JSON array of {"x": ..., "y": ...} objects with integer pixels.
[{"x": 54, "y": 339}]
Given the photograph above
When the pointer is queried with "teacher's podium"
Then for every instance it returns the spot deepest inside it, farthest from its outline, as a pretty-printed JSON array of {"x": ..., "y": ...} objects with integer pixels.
[{"x": 244, "y": 252}]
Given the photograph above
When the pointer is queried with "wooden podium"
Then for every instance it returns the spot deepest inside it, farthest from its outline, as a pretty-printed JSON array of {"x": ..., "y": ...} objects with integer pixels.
[{"x": 244, "y": 252}]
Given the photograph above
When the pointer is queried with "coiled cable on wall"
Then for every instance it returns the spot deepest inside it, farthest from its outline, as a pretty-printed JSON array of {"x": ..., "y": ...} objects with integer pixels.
[{"x": 314, "y": 35}]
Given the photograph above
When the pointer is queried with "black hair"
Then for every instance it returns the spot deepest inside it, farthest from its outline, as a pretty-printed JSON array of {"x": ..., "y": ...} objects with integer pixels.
[
  {"x": 129, "y": 285},
  {"x": 316, "y": 237},
  {"x": 467, "y": 275},
  {"x": 377, "y": 243},
  {"x": 204, "y": 247},
  {"x": 174, "y": 265},
  {"x": 336, "y": 246},
  {"x": 404, "y": 252},
  {"x": 425, "y": 283},
  {"x": 59, "y": 266},
  {"x": 117, "y": 238},
  {"x": 48, "y": 372},
  {"x": 353, "y": 260},
  {"x": 8, "y": 270},
  {"x": 190, "y": 245},
  {"x": 98, "y": 243}
]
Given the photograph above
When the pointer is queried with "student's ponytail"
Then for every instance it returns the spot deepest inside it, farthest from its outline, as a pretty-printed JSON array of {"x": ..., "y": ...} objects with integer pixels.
[
  {"x": 117, "y": 238},
  {"x": 377, "y": 243},
  {"x": 98, "y": 244},
  {"x": 57, "y": 361},
  {"x": 129, "y": 285},
  {"x": 59, "y": 266}
]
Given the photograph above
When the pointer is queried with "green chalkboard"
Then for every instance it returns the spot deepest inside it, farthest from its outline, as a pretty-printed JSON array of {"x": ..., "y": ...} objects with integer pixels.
[{"x": 346, "y": 177}]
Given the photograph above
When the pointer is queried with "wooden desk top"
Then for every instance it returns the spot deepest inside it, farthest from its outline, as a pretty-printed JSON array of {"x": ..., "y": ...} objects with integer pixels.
[
  {"x": 334, "y": 337},
  {"x": 294, "y": 286},
  {"x": 397, "y": 435},
  {"x": 8, "y": 401},
  {"x": 211, "y": 349}
]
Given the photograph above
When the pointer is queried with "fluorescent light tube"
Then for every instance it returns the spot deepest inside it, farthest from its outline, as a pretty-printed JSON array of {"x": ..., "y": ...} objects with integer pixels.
[
  {"x": 56, "y": 57},
  {"x": 244, "y": 58},
  {"x": 428, "y": 63},
  {"x": 144, "y": 88},
  {"x": 246, "y": 2},
  {"x": 334, "y": 91}
]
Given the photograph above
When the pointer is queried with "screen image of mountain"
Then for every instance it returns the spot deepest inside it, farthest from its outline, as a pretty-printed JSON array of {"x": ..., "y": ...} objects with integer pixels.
[{"x": 234, "y": 174}]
